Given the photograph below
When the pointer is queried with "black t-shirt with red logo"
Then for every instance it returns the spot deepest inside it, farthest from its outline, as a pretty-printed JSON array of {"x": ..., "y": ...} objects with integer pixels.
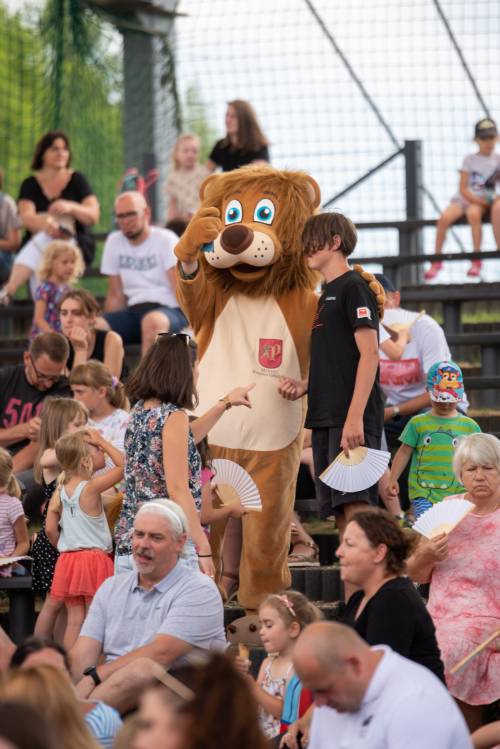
[
  {"x": 345, "y": 305},
  {"x": 20, "y": 401}
]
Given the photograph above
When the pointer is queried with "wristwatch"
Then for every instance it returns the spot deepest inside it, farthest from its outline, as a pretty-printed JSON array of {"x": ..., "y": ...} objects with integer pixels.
[
  {"x": 395, "y": 411},
  {"x": 226, "y": 402},
  {"x": 92, "y": 672}
]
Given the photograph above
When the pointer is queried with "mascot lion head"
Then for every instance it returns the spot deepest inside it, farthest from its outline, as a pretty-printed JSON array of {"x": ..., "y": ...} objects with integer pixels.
[{"x": 262, "y": 211}]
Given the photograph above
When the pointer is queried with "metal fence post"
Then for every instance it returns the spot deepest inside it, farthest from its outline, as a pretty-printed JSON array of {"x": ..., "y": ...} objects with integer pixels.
[{"x": 410, "y": 240}]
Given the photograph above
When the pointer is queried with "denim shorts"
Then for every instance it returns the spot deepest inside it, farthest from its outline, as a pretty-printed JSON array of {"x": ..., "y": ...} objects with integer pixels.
[{"x": 127, "y": 322}]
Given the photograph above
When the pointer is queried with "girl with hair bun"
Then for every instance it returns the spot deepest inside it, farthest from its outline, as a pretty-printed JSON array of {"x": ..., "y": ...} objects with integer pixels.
[
  {"x": 14, "y": 540},
  {"x": 104, "y": 397},
  {"x": 388, "y": 610}
]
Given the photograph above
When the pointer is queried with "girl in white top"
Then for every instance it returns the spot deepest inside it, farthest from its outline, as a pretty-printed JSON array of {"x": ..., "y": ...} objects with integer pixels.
[
  {"x": 104, "y": 397},
  {"x": 76, "y": 523},
  {"x": 282, "y": 617}
]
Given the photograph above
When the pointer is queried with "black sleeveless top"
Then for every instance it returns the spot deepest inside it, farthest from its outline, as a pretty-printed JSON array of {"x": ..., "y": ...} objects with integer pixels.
[{"x": 97, "y": 352}]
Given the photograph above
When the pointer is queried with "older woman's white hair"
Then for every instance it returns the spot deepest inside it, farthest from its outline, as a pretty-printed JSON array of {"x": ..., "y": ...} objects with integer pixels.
[
  {"x": 170, "y": 511},
  {"x": 480, "y": 449}
]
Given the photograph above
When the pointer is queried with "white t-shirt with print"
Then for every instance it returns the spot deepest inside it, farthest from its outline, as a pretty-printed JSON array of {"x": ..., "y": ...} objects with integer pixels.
[
  {"x": 406, "y": 378},
  {"x": 484, "y": 173},
  {"x": 112, "y": 427},
  {"x": 404, "y": 707},
  {"x": 143, "y": 267}
]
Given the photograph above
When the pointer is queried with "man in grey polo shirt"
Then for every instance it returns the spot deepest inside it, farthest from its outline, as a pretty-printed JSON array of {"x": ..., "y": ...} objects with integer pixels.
[{"x": 138, "y": 620}]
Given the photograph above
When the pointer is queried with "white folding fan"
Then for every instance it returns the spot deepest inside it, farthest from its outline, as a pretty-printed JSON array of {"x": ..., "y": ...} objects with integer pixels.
[
  {"x": 356, "y": 472},
  {"x": 443, "y": 517},
  {"x": 234, "y": 484}
]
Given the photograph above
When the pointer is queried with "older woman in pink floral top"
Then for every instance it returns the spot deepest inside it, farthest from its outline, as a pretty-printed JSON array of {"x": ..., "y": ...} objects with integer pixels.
[{"x": 463, "y": 568}]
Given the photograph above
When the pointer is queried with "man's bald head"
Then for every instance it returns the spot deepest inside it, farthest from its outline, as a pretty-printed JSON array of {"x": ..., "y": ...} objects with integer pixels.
[
  {"x": 335, "y": 663},
  {"x": 134, "y": 197},
  {"x": 132, "y": 215}
]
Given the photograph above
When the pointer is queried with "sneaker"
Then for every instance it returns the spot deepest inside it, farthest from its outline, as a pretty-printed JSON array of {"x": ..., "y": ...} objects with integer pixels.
[
  {"x": 475, "y": 269},
  {"x": 432, "y": 272}
]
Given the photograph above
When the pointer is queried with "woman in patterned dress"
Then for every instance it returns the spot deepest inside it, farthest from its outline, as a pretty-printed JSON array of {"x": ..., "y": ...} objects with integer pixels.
[
  {"x": 463, "y": 568},
  {"x": 161, "y": 459}
]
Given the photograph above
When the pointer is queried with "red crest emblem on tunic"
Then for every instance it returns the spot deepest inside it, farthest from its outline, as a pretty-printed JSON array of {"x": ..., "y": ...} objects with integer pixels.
[{"x": 270, "y": 352}]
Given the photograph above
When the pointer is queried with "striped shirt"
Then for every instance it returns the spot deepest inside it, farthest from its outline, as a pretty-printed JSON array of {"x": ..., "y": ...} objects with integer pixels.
[
  {"x": 103, "y": 722},
  {"x": 11, "y": 510},
  {"x": 434, "y": 440}
]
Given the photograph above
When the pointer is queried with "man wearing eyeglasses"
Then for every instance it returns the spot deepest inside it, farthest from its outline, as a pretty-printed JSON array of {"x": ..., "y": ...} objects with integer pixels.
[
  {"x": 140, "y": 262},
  {"x": 23, "y": 389}
]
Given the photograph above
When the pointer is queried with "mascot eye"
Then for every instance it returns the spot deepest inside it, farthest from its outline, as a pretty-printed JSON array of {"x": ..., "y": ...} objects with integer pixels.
[
  {"x": 427, "y": 440},
  {"x": 234, "y": 212},
  {"x": 454, "y": 442},
  {"x": 264, "y": 211}
]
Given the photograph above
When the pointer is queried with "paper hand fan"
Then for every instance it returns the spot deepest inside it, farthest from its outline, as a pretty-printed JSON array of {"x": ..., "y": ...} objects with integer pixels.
[
  {"x": 443, "y": 517},
  {"x": 12, "y": 560},
  {"x": 355, "y": 473},
  {"x": 234, "y": 484}
]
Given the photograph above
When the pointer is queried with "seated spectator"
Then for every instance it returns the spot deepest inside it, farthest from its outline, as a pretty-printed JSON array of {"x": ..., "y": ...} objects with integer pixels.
[
  {"x": 78, "y": 311},
  {"x": 103, "y": 721},
  {"x": 387, "y": 609},
  {"x": 14, "y": 540},
  {"x": 371, "y": 697},
  {"x": 140, "y": 262},
  {"x": 10, "y": 234},
  {"x": 61, "y": 266},
  {"x": 45, "y": 686},
  {"x": 462, "y": 568},
  {"x": 56, "y": 202},
  {"x": 104, "y": 398},
  {"x": 23, "y": 389},
  {"x": 132, "y": 629},
  {"x": 244, "y": 142}
]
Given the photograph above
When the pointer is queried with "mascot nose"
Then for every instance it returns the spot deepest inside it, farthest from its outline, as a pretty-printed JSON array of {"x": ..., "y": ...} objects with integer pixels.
[{"x": 235, "y": 239}]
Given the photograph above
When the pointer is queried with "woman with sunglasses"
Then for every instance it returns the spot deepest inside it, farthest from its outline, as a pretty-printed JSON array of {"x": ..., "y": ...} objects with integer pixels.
[{"x": 161, "y": 459}]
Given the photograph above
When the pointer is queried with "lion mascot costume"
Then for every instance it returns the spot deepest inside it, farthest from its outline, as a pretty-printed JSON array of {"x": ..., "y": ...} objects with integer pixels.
[{"x": 248, "y": 293}]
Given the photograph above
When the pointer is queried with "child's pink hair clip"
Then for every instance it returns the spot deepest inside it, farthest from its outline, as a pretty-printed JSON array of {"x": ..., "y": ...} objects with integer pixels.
[{"x": 286, "y": 601}]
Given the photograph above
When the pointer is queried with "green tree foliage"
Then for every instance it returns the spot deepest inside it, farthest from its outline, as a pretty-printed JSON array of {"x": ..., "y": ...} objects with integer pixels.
[
  {"x": 62, "y": 70},
  {"x": 195, "y": 120}
]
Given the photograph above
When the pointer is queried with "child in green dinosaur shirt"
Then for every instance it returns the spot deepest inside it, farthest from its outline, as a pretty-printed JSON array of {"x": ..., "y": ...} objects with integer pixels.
[{"x": 430, "y": 439}]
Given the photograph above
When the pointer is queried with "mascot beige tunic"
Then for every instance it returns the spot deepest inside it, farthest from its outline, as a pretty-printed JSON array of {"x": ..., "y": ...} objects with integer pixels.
[{"x": 248, "y": 293}]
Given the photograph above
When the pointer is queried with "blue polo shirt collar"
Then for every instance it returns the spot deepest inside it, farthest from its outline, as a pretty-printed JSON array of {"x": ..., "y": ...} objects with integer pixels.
[{"x": 163, "y": 585}]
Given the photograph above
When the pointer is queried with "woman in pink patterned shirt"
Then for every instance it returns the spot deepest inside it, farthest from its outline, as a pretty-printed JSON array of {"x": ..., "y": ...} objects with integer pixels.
[{"x": 463, "y": 568}]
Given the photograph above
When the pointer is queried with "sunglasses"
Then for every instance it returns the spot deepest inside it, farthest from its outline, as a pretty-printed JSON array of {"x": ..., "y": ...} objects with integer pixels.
[{"x": 183, "y": 336}]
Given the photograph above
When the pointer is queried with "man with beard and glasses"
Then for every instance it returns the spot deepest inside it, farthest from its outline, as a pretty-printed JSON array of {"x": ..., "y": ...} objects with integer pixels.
[
  {"x": 143, "y": 622},
  {"x": 140, "y": 262}
]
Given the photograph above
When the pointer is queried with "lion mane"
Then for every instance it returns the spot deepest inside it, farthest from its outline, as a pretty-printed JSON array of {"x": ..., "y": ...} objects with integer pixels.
[{"x": 298, "y": 198}]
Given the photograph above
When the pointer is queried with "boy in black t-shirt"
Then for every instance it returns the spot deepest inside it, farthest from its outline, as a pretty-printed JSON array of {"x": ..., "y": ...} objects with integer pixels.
[{"x": 345, "y": 406}]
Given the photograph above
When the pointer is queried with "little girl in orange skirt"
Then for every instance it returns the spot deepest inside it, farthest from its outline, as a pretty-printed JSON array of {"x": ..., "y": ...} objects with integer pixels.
[{"x": 76, "y": 523}]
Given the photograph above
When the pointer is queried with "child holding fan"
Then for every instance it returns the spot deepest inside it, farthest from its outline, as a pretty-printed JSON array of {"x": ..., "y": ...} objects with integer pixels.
[
  {"x": 62, "y": 264},
  {"x": 77, "y": 524}
]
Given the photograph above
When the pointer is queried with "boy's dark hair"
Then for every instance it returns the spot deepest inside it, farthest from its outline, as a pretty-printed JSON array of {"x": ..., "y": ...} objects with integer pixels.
[
  {"x": 320, "y": 230},
  {"x": 166, "y": 373},
  {"x": 35, "y": 645}
]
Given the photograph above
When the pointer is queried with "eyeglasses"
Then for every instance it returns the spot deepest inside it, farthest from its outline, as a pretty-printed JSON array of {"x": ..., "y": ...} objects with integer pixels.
[
  {"x": 183, "y": 336},
  {"x": 45, "y": 377},
  {"x": 125, "y": 216}
]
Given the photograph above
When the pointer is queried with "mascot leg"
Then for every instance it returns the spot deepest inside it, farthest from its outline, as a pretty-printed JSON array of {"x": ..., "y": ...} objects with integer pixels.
[{"x": 266, "y": 534}]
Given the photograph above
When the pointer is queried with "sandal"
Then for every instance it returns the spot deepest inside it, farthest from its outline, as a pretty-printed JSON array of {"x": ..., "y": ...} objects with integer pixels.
[{"x": 304, "y": 559}]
